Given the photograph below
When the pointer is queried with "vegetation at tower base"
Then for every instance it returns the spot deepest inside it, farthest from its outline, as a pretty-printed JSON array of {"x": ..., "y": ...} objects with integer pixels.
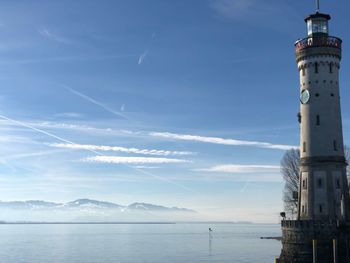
[{"x": 290, "y": 171}]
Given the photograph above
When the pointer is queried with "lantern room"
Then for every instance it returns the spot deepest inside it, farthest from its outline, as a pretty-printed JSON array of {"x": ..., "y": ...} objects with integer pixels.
[{"x": 317, "y": 24}]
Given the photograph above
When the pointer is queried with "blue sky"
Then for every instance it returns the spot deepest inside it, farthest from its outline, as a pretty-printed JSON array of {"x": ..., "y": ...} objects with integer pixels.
[{"x": 179, "y": 103}]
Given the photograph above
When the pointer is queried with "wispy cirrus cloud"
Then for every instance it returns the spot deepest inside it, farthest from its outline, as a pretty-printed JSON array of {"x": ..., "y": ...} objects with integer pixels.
[
  {"x": 69, "y": 115},
  {"x": 110, "y": 159},
  {"x": 132, "y": 160},
  {"x": 240, "y": 168},
  {"x": 256, "y": 12},
  {"x": 31, "y": 154},
  {"x": 142, "y": 57},
  {"x": 118, "y": 149},
  {"x": 48, "y": 34},
  {"x": 146, "y": 167},
  {"x": 232, "y": 8},
  {"x": 60, "y": 125},
  {"x": 38, "y": 60},
  {"x": 223, "y": 141}
]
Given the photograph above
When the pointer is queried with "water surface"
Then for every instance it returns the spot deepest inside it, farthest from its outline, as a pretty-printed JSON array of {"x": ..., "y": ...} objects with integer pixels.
[{"x": 138, "y": 243}]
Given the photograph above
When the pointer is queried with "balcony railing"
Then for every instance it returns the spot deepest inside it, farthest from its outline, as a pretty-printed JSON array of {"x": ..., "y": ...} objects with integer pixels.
[
  {"x": 321, "y": 41},
  {"x": 306, "y": 224}
]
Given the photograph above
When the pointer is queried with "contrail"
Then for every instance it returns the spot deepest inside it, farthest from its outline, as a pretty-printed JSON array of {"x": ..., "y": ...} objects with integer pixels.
[
  {"x": 95, "y": 102},
  {"x": 90, "y": 150},
  {"x": 38, "y": 130}
]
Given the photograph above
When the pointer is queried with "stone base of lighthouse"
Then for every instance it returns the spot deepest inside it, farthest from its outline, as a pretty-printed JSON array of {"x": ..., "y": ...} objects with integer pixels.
[{"x": 298, "y": 241}]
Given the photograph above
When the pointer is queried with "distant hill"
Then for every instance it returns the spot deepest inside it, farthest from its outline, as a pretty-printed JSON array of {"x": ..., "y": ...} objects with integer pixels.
[
  {"x": 89, "y": 204},
  {"x": 92, "y": 204},
  {"x": 151, "y": 207}
]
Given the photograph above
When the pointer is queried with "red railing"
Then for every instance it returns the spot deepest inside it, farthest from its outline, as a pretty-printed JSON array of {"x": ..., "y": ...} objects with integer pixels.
[{"x": 318, "y": 42}]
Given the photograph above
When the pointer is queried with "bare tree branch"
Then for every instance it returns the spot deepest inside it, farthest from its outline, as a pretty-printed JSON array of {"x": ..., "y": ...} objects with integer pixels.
[{"x": 290, "y": 172}]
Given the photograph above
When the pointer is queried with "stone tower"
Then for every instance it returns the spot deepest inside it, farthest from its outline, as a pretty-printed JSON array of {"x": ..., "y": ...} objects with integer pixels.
[
  {"x": 322, "y": 227},
  {"x": 323, "y": 193}
]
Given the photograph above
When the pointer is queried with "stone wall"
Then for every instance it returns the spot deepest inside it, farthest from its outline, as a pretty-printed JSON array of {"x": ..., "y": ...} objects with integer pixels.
[{"x": 297, "y": 238}]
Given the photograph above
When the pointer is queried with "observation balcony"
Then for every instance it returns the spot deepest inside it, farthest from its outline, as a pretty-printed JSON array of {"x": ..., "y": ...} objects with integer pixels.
[{"x": 318, "y": 41}]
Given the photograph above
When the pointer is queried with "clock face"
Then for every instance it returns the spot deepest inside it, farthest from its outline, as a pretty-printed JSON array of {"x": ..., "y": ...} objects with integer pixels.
[{"x": 304, "y": 96}]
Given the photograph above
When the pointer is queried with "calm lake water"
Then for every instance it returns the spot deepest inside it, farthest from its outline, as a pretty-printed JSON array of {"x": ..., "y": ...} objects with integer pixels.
[{"x": 138, "y": 243}]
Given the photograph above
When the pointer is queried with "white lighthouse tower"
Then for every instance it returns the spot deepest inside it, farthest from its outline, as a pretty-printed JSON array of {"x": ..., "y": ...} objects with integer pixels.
[
  {"x": 321, "y": 232},
  {"x": 323, "y": 193}
]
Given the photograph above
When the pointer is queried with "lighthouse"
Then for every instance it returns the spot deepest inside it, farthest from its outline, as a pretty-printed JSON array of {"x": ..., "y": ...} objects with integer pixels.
[
  {"x": 323, "y": 193},
  {"x": 321, "y": 231}
]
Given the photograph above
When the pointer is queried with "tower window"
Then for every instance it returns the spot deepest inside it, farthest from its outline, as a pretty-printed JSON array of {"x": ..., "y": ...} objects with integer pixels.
[
  {"x": 330, "y": 68},
  {"x": 321, "y": 208},
  {"x": 335, "y": 147},
  {"x": 338, "y": 183},
  {"x": 332, "y": 95},
  {"x": 318, "y": 120},
  {"x": 304, "y": 146},
  {"x": 303, "y": 71},
  {"x": 317, "y": 95},
  {"x": 303, "y": 209},
  {"x": 316, "y": 67},
  {"x": 304, "y": 184},
  {"x": 319, "y": 183}
]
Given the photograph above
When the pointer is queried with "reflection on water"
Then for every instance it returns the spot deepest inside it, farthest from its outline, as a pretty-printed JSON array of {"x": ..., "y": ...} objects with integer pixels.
[{"x": 210, "y": 243}]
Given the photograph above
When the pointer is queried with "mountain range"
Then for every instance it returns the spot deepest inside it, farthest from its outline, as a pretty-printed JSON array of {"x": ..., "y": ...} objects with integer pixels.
[{"x": 83, "y": 204}]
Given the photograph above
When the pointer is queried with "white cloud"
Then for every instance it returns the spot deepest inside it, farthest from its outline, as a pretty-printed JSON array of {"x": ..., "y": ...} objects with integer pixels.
[
  {"x": 239, "y": 168},
  {"x": 146, "y": 167},
  {"x": 117, "y": 149},
  {"x": 122, "y": 108},
  {"x": 132, "y": 160},
  {"x": 142, "y": 57},
  {"x": 217, "y": 140},
  {"x": 50, "y": 125},
  {"x": 83, "y": 128},
  {"x": 69, "y": 115}
]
